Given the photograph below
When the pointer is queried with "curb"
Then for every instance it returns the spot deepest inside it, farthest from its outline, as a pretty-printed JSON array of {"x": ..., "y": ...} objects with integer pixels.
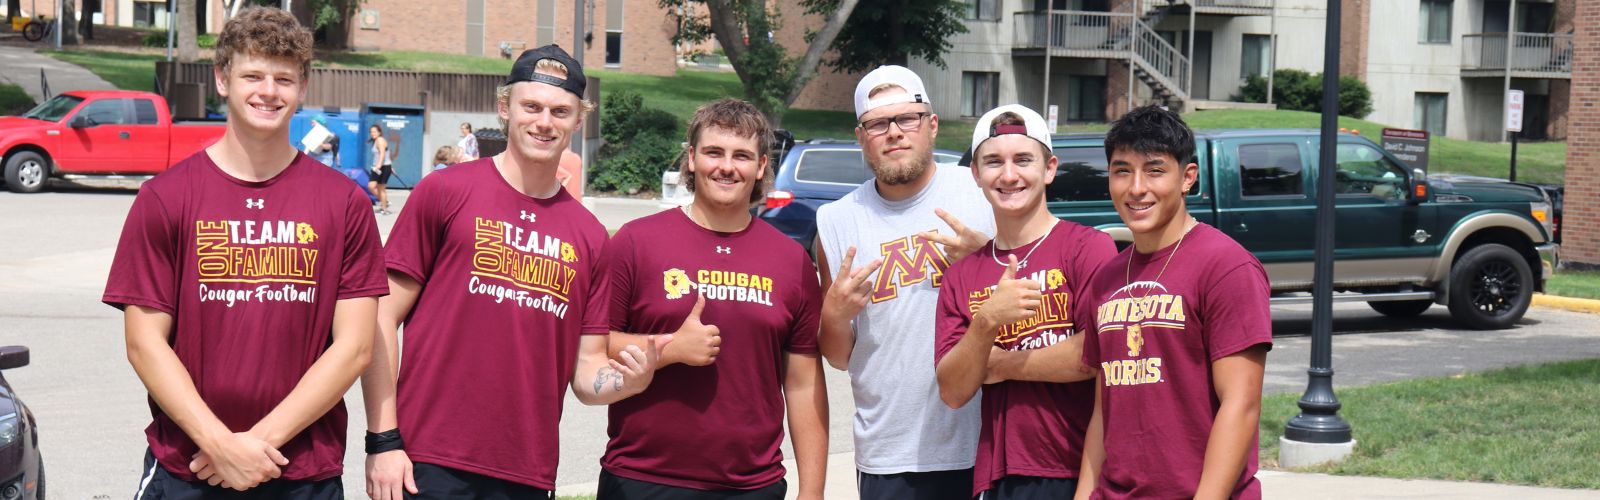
[{"x": 1590, "y": 306}]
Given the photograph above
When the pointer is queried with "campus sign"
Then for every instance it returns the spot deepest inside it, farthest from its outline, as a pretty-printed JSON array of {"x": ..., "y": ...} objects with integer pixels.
[{"x": 1410, "y": 146}]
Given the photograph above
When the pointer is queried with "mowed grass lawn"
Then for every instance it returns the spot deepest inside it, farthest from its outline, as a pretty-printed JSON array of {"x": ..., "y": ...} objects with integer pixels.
[
  {"x": 681, "y": 94},
  {"x": 1578, "y": 284},
  {"x": 1532, "y": 425},
  {"x": 13, "y": 101}
]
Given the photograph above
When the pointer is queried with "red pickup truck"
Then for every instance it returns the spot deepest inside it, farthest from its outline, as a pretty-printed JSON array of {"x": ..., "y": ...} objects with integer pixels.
[{"x": 107, "y": 134}]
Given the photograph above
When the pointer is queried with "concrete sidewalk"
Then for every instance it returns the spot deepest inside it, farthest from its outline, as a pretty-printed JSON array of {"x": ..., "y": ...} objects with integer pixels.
[
  {"x": 20, "y": 66},
  {"x": 1274, "y": 484}
]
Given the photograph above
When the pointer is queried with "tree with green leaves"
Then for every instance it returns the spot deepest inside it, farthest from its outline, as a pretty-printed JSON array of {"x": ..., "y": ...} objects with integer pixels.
[
  {"x": 883, "y": 32},
  {"x": 745, "y": 29}
]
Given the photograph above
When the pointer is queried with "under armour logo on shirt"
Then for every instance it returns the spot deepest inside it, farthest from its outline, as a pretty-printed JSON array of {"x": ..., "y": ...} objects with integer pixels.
[
  {"x": 257, "y": 203},
  {"x": 527, "y": 216},
  {"x": 723, "y": 249}
]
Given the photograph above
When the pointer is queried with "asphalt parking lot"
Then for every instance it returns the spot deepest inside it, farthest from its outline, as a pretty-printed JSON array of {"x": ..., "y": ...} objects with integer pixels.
[{"x": 55, "y": 250}]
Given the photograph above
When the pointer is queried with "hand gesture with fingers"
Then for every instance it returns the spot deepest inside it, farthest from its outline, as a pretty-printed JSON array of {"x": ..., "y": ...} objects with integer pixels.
[
  {"x": 240, "y": 461},
  {"x": 851, "y": 290},
  {"x": 1013, "y": 299},
  {"x": 697, "y": 343},
  {"x": 635, "y": 367},
  {"x": 961, "y": 242}
]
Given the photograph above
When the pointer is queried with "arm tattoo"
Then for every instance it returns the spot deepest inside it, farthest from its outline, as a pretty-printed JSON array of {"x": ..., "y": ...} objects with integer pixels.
[{"x": 600, "y": 377}]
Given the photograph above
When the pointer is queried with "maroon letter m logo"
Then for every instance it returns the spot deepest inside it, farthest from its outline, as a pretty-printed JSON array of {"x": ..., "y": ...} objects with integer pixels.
[{"x": 906, "y": 262}]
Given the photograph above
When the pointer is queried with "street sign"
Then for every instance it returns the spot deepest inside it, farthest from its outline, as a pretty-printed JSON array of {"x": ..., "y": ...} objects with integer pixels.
[
  {"x": 1513, "y": 110},
  {"x": 1410, "y": 146},
  {"x": 1052, "y": 118}
]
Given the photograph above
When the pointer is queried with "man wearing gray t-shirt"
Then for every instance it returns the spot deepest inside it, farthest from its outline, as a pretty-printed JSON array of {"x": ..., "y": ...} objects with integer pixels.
[{"x": 882, "y": 257}]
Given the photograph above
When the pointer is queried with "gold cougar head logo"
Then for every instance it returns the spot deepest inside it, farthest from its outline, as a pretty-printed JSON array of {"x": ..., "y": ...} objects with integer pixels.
[
  {"x": 1135, "y": 339},
  {"x": 676, "y": 282},
  {"x": 304, "y": 233},
  {"x": 1054, "y": 279},
  {"x": 568, "y": 254}
]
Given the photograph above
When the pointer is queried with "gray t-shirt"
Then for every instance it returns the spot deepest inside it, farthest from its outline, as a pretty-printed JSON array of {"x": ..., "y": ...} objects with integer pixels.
[{"x": 900, "y": 423}]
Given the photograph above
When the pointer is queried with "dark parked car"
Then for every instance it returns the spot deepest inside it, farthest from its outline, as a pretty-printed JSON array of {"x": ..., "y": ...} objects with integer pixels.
[
  {"x": 814, "y": 173},
  {"x": 21, "y": 470}
]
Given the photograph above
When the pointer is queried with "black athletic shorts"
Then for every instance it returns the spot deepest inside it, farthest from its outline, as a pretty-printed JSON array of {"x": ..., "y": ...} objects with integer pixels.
[
  {"x": 614, "y": 487},
  {"x": 1030, "y": 488},
  {"x": 158, "y": 484},
  {"x": 435, "y": 482},
  {"x": 938, "y": 485},
  {"x": 383, "y": 175}
]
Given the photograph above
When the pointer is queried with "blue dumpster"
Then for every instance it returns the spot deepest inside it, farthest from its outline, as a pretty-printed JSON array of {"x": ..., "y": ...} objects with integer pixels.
[
  {"x": 402, "y": 125},
  {"x": 346, "y": 125}
]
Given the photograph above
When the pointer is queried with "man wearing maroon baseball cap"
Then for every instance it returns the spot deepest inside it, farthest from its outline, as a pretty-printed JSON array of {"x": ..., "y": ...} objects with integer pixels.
[{"x": 495, "y": 272}]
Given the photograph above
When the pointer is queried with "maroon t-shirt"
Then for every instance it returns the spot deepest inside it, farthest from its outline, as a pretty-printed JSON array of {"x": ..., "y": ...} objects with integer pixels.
[
  {"x": 509, "y": 282},
  {"x": 719, "y": 426},
  {"x": 1029, "y": 428},
  {"x": 1155, "y": 342},
  {"x": 250, "y": 272}
]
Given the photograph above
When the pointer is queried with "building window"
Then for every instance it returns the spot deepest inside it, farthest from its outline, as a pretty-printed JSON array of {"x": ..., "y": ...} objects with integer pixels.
[
  {"x": 983, "y": 10},
  {"x": 1430, "y": 112},
  {"x": 1435, "y": 25},
  {"x": 545, "y": 29},
  {"x": 979, "y": 92},
  {"x": 1086, "y": 98},
  {"x": 1270, "y": 170},
  {"x": 1256, "y": 56},
  {"x": 150, "y": 15},
  {"x": 614, "y": 10}
]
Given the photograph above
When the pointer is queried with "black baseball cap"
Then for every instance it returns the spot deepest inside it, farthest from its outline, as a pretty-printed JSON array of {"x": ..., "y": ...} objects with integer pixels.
[{"x": 523, "y": 71}]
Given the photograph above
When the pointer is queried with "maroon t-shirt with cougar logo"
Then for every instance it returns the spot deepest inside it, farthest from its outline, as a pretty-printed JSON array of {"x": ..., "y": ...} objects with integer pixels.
[
  {"x": 509, "y": 283},
  {"x": 714, "y": 427},
  {"x": 1029, "y": 428},
  {"x": 250, "y": 272},
  {"x": 1156, "y": 334}
]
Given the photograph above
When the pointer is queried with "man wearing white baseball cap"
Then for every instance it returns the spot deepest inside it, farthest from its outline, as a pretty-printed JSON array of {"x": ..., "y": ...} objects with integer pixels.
[
  {"x": 1009, "y": 319},
  {"x": 880, "y": 326}
]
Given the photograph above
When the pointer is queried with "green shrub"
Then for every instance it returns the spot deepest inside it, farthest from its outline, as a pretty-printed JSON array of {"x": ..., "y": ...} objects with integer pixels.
[
  {"x": 159, "y": 39},
  {"x": 1297, "y": 90},
  {"x": 640, "y": 143}
]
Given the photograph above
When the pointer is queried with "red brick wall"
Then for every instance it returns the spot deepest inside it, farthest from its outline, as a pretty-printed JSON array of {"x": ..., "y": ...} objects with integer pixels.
[
  {"x": 647, "y": 39},
  {"x": 1355, "y": 17},
  {"x": 1581, "y": 219}
]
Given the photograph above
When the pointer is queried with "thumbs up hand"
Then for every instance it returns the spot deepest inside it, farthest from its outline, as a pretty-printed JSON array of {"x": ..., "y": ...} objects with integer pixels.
[
  {"x": 698, "y": 343},
  {"x": 1013, "y": 299}
]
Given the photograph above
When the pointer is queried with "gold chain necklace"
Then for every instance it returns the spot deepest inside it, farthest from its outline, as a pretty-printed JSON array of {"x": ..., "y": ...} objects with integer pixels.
[{"x": 1128, "y": 272}]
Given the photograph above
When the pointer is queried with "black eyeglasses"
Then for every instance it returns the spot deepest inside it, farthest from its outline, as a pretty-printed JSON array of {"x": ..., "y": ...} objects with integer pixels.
[{"x": 908, "y": 122}]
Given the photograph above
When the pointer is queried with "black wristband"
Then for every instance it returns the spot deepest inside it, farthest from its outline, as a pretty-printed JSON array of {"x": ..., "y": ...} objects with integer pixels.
[{"x": 379, "y": 442}]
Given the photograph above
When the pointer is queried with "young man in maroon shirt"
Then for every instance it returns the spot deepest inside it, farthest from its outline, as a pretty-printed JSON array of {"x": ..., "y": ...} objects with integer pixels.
[
  {"x": 1007, "y": 318},
  {"x": 709, "y": 263},
  {"x": 1181, "y": 333},
  {"x": 248, "y": 275},
  {"x": 496, "y": 272}
]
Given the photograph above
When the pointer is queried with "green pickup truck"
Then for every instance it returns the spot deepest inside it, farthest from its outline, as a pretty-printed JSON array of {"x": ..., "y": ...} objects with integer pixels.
[{"x": 1404, "y": 241}]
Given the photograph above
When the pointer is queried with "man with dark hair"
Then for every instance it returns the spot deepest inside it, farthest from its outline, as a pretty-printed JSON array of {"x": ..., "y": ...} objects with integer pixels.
[
  {"x": 1010, "y": 319},
  {"x": 1180, "y": 336},
  {"x": 880, "y": 327},
  {"x": 248, "y": 275},
  {"x": 496, "y": 274},
  {"x": 709, "y": 263}
]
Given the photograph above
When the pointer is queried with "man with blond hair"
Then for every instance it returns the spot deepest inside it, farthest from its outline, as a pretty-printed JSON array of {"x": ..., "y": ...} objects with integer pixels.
[
  {"x": 495, "y": 272},
  {"x": 248, "y": 275},
  {"x": 882, "y": 262}
]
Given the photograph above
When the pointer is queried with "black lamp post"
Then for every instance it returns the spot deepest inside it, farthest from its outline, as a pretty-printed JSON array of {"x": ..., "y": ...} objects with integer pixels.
[{"x": 1318, "y": 421}]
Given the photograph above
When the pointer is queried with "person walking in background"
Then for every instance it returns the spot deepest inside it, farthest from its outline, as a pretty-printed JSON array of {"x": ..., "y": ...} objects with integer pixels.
[
  {"x": 328, "y": 151},
  {"x": 468, "y": 143},
  {"x": 446, "y": 156},
  {"x": 382, "y": 167}
]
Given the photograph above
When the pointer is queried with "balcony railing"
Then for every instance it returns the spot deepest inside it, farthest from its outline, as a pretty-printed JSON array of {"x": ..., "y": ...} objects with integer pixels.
[
  {"x": 1530, "y": 52},
  {"x": 1078, "y": 30}
]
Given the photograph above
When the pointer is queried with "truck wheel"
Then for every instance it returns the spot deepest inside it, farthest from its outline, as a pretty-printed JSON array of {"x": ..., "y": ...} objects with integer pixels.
[
  {"x": 26, "y": 172},
  {"x": 1490, "y": 287},
  {"x": 1401, "y": 308}
]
